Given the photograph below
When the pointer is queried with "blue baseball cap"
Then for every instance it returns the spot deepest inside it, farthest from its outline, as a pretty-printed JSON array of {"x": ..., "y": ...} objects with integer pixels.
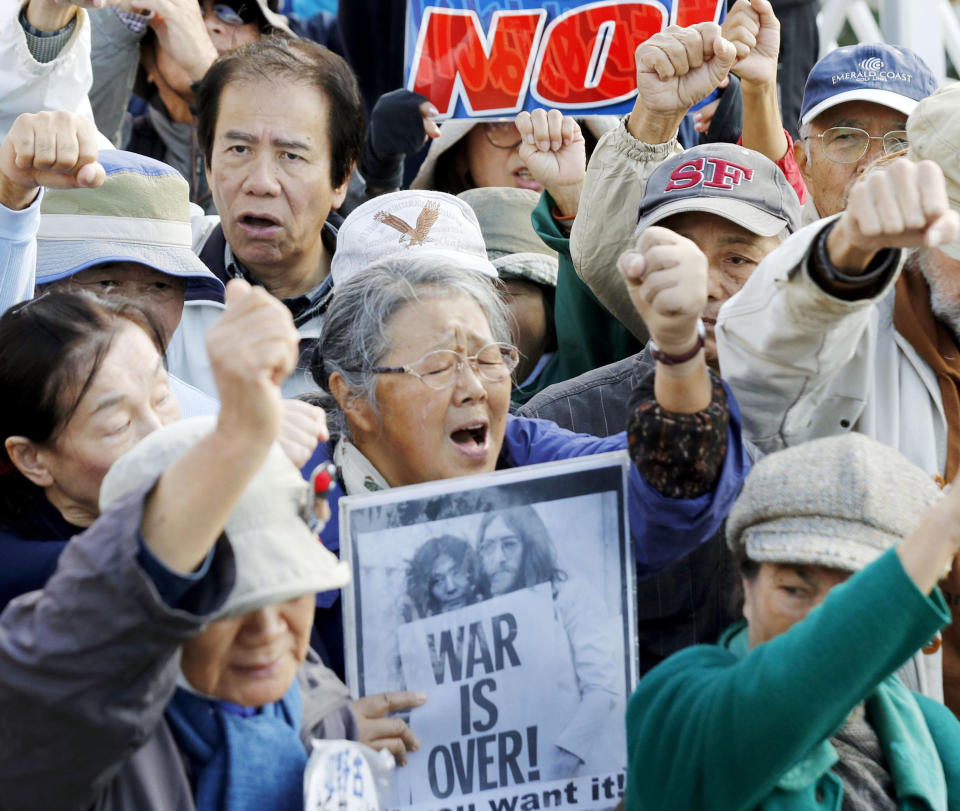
[{"x": 884, "y": 74}]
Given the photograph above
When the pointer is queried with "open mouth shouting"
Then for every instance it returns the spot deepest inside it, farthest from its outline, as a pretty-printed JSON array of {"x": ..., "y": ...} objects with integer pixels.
[
  {"x": 472, "y": 439},
  {"x": 259, "y": 225}
]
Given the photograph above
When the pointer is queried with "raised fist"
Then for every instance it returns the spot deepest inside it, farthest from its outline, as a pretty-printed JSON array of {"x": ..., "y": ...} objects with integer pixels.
[
  {"x": 49, "y": 149},
  {"x": 552, "y": 148},
  {"x": 253, "y": 348},
  {"x": 754, "y": 30},
  {"x": 666, "y": 277},
  {"x": 681, "y": 66},
  {"x": 900, "y": 205}
]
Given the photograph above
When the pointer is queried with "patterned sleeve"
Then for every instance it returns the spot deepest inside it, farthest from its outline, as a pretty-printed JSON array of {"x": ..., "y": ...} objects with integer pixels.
[{"x": 680, "y": 455}]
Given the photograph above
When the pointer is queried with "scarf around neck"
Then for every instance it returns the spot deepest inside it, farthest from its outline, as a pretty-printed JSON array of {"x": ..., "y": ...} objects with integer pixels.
[
  {"x": 914, "y": 319},
  {"x": 241, "y": 761},
  {"x": 358, "y": 473}
]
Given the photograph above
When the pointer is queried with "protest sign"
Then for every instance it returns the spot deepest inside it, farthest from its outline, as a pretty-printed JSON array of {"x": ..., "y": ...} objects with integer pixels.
[
  {"x": 509, "y": 600},
  {"x": 476, "y": 58}
]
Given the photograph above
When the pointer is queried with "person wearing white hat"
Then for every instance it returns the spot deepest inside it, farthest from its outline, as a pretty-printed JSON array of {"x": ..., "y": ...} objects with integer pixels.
[
  {"x": 853, "y": 323},
  {"x": 841, "y": 542},
  {"x": 172, "y": 633}
]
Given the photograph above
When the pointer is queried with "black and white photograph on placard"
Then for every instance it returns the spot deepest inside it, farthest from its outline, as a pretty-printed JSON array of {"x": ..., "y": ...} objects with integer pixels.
[{"x": 508, "y": 599}]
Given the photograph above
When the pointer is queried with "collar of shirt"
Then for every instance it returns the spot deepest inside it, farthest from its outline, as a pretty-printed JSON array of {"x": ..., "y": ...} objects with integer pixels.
[{"x": 303, "y": 308}]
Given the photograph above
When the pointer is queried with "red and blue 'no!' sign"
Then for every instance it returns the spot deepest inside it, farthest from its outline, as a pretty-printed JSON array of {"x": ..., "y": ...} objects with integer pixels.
[{"x": 474, "y": 59}]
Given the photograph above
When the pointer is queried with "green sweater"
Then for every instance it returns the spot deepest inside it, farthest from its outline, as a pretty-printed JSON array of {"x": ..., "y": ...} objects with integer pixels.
[
  {"x": 587, "y": 335},
  {"x": 721, "y": 728}
]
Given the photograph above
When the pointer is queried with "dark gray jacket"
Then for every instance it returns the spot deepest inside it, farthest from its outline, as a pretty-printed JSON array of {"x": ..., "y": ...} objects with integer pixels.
[
  {"x": 691, "y": 602},
  {"x": 87, "y": 666}
]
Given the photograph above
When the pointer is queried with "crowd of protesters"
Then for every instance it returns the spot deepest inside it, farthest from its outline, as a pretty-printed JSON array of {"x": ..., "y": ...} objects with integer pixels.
[{"x": 232, "y": 252}]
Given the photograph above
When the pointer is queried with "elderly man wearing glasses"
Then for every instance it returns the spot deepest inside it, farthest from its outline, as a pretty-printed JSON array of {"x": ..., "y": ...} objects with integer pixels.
[
  {"x": 855, "y": 108},
  {"x": 853, "y": 323}
]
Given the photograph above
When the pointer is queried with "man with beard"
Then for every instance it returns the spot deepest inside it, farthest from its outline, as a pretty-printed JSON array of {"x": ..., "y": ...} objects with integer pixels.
[
  {"x": 516, "y": 552},
  {"x": 829, "y": 335}
]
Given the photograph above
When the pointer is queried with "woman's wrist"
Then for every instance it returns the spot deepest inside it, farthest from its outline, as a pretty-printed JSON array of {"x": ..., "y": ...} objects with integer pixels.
[
  {"x": 683, "y": 389},
  {"x": 567, "y": 198}
]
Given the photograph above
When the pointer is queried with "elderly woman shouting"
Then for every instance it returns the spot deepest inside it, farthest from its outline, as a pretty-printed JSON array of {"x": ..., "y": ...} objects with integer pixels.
[
  {"x": 799, "y": 707},
  {"x": 157, "y": 667},
  {"x": 414, "y": 350}
]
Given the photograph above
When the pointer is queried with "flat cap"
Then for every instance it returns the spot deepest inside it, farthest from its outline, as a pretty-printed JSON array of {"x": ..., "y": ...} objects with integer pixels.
[{"x": 839, "y": 502}]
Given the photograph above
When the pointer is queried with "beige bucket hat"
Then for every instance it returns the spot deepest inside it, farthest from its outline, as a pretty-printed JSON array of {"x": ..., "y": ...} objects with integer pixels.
[
  {"x": 277, "y": 555},
  {"x": 515, "y": 249}
]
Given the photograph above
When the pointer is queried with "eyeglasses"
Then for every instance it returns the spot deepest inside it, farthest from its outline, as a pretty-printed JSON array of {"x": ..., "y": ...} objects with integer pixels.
[
  {"x": 849, "y": 144},
  {"x": 502, "y": 134},
  {"x": 440, "y": 369},
  {"x": 508, "y": 546},
  {"x": 229, "y": 15}
]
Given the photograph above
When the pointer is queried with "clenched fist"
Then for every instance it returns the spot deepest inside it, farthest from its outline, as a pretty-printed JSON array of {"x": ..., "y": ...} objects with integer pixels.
[
  {"x": 901, "y": 205},
  {"x": 754, "y": 30},
  {"x": 680, "y": 66},
  {"x": 554, "y": 151},
  {"x": 253, "y": 347},
  {"x": 666, "y": 277},
  {"x": 47, "y": 149}
]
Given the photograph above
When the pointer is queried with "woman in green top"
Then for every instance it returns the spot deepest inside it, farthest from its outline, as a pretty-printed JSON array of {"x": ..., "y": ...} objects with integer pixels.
[{"x": 841, "y": 543}]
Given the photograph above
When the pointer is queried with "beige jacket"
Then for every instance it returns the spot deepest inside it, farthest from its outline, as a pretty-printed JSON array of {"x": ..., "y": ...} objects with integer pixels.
[
  {"x": 612, "y": 190},
  {"x": 804, "y": 364}
]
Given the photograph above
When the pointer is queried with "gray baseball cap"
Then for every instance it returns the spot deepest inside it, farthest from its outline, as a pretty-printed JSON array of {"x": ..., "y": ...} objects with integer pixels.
[
  {"x": 730, "y": 181},
  {"x": 838, "y": 502}
]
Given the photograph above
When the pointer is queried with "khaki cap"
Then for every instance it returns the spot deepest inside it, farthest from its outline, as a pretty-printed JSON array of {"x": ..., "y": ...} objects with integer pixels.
[{"x": 278, "y": 557}]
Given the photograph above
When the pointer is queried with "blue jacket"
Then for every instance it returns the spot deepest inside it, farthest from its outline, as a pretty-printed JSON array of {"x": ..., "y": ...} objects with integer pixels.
[{"x": 663, "y": 529}]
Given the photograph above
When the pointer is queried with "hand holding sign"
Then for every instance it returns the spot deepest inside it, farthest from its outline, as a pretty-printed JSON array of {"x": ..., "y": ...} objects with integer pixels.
[
  {"x": 676, "y": 69},
  {"x": 666, "y": 277},
  {"x": 553, "y": 150},
  {"x": 754, "y": 30},
  {"x": 379, "y": 731}
]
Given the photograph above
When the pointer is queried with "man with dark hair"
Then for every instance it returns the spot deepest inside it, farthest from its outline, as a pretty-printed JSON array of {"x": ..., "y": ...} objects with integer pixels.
[{"x": 281, "y": 126}]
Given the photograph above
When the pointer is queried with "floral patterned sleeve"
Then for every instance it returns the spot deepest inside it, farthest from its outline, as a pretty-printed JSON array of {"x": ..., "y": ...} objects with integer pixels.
[{"x": 680, "y": 455}]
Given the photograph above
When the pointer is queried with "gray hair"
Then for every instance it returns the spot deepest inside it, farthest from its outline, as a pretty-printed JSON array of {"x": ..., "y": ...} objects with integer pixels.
[{"x": 355, "y": 335}]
